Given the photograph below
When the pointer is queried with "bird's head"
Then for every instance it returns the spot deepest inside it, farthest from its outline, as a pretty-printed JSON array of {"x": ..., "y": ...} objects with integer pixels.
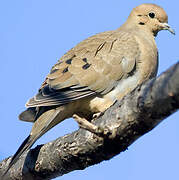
[{"x": 152, "y": 17}]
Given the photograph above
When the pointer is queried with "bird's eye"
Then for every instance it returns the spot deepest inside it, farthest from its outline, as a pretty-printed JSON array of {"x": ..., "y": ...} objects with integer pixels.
[{"x": 151, "y": 15}]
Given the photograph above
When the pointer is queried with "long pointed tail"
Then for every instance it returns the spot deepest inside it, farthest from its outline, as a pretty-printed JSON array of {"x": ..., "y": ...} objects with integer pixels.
[
  {"x": 45, "y": 122},
  {"x": 27, "y": 144}
]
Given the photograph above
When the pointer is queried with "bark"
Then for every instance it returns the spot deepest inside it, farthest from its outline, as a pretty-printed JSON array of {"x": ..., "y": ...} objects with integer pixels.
[{"x": 124, "y": 122}]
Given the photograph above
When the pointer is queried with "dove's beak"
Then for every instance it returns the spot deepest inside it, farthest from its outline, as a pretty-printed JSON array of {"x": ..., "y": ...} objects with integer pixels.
[{"x": 166, "y": 26}]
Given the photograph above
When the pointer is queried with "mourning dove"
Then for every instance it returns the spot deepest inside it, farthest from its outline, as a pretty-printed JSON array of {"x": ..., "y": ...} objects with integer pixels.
[{"x": 97, "y": 72}]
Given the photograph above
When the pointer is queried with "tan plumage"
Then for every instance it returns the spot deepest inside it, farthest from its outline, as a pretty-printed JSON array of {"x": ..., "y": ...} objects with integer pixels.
[{"x": 96, "y": 72}]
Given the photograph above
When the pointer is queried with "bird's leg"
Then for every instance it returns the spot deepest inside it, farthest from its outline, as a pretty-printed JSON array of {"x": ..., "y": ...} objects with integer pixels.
[
  {"x": 85, "y": 124},
  {"x": 100, "y": 131}
]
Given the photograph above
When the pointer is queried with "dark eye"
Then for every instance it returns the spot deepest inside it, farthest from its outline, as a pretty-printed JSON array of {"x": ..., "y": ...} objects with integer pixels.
[{"x": 151, "y": 15}]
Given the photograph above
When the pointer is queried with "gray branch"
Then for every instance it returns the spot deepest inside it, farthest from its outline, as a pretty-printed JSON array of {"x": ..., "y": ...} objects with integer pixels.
[{"x": 136, "y": 114}]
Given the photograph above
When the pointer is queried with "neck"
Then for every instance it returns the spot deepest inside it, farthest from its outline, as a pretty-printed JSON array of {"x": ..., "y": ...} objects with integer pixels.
[
  {"x": 134, "y": 28},
  {"x": 140, "y": 31}
]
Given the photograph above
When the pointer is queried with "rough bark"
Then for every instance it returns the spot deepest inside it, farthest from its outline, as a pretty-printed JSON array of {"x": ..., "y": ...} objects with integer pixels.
[{"x": 136, "y": 114}]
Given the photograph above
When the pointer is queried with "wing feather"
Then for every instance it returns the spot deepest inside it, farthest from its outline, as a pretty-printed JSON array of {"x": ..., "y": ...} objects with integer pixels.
[{"x": 95, "y": 66}]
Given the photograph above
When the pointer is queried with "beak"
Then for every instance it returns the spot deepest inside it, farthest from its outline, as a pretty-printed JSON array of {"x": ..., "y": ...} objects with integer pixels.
[{"x": 166, "y": 26}]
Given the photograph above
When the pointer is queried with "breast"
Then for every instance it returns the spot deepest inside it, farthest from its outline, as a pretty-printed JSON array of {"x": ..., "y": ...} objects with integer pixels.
[
  {"x": 148, "y": 62},
  {"x": 145, "y": 68}
]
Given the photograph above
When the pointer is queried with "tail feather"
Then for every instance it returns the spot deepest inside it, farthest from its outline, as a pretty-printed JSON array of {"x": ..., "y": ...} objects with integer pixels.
[
  {"x": 29, "y": 115},
  {"x": 45, "y": 122},
  {"x": 27, "y": 143}
]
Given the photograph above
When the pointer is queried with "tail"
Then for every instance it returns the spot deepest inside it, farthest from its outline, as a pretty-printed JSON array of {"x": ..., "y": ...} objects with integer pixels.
[
  {"x": 45, "y": 122},
  {"x": 29, "y": 115},
  {"x": 27, "y": 144}
]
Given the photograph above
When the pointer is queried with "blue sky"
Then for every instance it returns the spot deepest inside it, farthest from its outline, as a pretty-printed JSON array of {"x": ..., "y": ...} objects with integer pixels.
[{"x": 34, "y": 34}]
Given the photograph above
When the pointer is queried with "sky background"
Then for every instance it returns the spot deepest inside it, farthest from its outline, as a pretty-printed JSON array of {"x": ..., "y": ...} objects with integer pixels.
[{"x": 34, "y": 34}]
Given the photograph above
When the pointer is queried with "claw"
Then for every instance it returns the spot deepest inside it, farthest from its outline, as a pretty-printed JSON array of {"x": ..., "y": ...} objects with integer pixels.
[{"x": 97, "y": 115}]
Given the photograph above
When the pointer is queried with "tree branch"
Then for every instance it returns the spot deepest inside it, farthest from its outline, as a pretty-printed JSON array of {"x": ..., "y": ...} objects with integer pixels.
[{"x": 136, "y": 114}]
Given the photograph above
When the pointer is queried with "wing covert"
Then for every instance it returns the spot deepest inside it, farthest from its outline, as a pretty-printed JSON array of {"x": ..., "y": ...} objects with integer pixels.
[{"x": 94, "y": 66}]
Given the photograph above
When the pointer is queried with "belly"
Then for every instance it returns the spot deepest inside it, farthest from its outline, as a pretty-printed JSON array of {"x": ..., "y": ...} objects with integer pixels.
[{"x": 100, "y": 104}]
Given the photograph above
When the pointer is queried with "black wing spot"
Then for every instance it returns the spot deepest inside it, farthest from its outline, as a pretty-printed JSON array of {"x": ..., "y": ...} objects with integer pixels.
[
  {"x": 68, "y": 61},
  {"x": 65, "y": 70},
  {"x": 86, "y": 66},
  {"x": 85, "y": 60}
]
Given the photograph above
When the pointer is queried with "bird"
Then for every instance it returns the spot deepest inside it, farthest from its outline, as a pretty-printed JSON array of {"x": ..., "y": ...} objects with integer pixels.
[{"x": 95, "y": 73}]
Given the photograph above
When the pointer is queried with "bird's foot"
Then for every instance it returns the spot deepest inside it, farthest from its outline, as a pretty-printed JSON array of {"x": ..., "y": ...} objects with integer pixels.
[
  {"x": 98, "y": 130},
  {"x": 85, "y": 124}
]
